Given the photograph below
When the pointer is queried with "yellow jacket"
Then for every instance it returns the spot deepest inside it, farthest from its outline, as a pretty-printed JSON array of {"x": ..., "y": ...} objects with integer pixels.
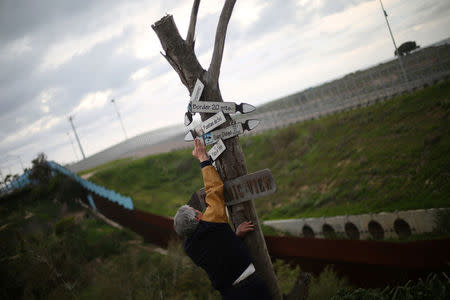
[{"x": 215, "y": 211}]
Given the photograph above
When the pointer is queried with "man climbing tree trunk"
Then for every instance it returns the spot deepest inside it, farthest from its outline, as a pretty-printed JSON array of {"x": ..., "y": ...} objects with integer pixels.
[{"x": 231, "y": 164}]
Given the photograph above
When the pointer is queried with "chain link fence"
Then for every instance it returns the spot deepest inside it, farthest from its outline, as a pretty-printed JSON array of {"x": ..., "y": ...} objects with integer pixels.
[
  {"x": 423, "y": 68},
  {"x": 361, "y": 88}
]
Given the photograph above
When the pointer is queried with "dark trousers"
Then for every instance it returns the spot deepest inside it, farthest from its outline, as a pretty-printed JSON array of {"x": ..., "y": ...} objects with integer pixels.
[{"x": 250, "y": 288}]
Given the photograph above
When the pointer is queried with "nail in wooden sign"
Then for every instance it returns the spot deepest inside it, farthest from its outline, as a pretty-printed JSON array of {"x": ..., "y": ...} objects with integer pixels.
[
  {"x": 241, "y": 189},
  {"x": 217, "y": 149}
]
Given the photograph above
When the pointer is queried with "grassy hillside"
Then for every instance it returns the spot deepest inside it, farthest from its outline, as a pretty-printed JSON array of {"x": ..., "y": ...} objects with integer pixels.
[
  {"x": 389, "y": 156},
  {"x": 51, "y": 248}
]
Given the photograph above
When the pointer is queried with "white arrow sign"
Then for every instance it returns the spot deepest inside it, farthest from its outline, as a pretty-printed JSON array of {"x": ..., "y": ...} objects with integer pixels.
[
  {"x": 197, "y": 92},
  {"x": 217, "y": 149},
  {"x": 224, "y": 133},
  {"x": 213, "y": 122},
  {"x": 214, "y": 107}
]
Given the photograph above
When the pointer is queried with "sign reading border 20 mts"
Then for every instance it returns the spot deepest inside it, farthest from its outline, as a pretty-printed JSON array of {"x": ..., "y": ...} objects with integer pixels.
[
  {"x": 240, "y": 189},
  {"x": 214, "y": 107}
]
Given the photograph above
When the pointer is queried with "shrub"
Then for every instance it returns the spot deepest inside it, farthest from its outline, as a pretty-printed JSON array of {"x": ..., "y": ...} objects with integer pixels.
[
  {"x": 64, "y": 225},
  {"x": 326, "y": 285},
  {"x": 40, "y": 172},
  {"x": 286, "y": 275},
  {"x": 432, "y": 288}
]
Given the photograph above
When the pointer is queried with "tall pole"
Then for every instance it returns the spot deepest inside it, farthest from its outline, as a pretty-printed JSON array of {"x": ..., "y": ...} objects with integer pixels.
[
  {"x": 231, "y": 164},
  {"x": 76, "y": 136},
  {"x": 73, "y": 147},
  {"x": 395, "y": 46},
  {"x": 120, "y": 118}
]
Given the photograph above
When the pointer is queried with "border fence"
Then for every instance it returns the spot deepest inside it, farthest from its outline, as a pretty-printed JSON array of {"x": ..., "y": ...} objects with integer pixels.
[
  {"x": 378, "y": 83},
  {"x": 361, "y": 88}
]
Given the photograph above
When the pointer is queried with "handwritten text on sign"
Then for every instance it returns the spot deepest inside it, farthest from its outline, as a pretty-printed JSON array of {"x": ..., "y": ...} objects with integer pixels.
[
  {"x": 217, "y": 149},
  {"x": 224, "y": 133},
  {"x": 213, "y": 107},
  {"x": 242, "y": 189},
  {"x": 197, "y": 92},
  {"x": 213, "y": 122}
]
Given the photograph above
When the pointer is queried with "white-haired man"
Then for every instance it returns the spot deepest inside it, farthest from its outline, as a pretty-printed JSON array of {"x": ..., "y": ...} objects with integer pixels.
[{"x": 211, "y": 243}]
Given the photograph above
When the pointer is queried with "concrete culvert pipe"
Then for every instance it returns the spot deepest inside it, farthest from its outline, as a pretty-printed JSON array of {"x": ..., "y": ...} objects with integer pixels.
[
  {"x": 351, "y": 231},
  {"x": 375, "y": 230},
  {"x": 307, "y": 232},
  {"x": 402, "y": 228},
  {"x": 328, "y": 231}
]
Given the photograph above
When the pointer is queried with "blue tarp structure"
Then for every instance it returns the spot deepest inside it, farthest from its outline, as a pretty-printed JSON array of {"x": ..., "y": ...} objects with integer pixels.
[{"x": 111, "y": 195}]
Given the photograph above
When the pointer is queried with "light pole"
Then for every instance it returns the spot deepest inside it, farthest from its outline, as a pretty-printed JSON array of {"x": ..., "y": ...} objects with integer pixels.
[
  {"x": 120, "y": 118},
  {"x": 73, "y": 146},
  {"x": 76, "y": 136},
  {"x": 395, "y": 46}
]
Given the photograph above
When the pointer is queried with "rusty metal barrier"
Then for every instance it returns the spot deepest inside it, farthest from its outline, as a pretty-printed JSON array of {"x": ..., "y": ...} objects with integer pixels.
[{"x": 364, "y": 263}]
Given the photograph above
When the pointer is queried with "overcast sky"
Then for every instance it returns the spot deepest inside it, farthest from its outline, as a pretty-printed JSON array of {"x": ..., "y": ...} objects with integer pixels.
[{"x": 61, "y": 58}]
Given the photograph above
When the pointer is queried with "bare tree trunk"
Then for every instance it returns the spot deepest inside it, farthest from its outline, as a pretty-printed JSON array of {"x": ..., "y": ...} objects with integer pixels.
[{"x": 231, "y": 164}]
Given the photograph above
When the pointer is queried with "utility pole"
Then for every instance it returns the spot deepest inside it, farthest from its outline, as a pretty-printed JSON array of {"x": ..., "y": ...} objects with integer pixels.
[
  {"x": 73, "y": 146},
  {"x": 396, "y": 50},
  {"x": 120, "y": 118},
  {"x": 231, "y": 164},
  {"x": 76, "y": 136}
]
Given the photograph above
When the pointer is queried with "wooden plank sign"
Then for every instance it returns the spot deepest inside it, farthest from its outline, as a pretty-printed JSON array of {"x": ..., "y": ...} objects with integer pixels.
[
  {"x": 224, "y": 133},
  {"x": 241, "y": 189},
  {"x": 197, "y": 92},
  {"x": 213, "y": 122},
  {"x": 214, "y": 107},
  {"x": 217, "y": 149},
  {"x": 250, "y": 186}
]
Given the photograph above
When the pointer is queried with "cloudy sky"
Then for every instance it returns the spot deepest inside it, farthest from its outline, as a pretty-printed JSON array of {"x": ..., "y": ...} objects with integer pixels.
[{"x": 60, "y": 58}]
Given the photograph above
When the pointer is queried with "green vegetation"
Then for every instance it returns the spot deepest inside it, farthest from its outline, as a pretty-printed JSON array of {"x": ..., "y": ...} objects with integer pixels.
[
  {"x": 53, "y": 249},
  {"x": 106, "y": 166},
  {"x": 389, "y": 156},
  {"x": 434, "y": 287},
  {"x": 158, "y": 184}
]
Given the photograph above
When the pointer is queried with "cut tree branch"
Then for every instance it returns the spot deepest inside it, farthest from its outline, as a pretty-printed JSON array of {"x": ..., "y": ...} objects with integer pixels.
[
  {"x": 191, "y": 31},
  {"x": 221, "y": 32},
  {"x": 180, "y": 56}
]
